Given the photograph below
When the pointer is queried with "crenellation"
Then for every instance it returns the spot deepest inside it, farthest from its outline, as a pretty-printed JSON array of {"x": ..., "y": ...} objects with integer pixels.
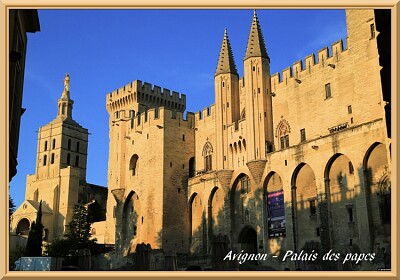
[
  {"x": 180, "y": 157},
  {"x": 287, "y": 73},
  {"x": 337, "y": 48},
  {"x": 310, "y": 62},
  {"x": 158, "y": 116},
  {"x": 321, "y": 59},
  {"x": 205, "y": 113},
  {"x": 175, "y": 96},
  {"x": 297, "y": 67},
  {"x": 275, "y": 79},
  {"x": 137, "y": 91},
  {"x": 323, "y": 55},
  {"x": 157, "y": 90}
]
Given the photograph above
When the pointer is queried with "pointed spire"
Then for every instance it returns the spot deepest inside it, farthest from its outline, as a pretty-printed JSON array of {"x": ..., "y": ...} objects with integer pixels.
[
  {"x": 226, "y": 62},
  {"x": 255, "y": 43}
]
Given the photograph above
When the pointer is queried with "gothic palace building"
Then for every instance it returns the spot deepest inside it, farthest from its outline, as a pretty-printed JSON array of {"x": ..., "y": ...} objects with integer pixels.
[{"x": 298, "y": 160}]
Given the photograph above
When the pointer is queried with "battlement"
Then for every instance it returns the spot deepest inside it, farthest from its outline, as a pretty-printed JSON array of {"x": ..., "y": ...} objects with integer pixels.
[
  {"x": 325, "y": 58},
  {"x": 205, "y": 114},
  {"x": 145, "y": 93},
  {"x": 154, "y": 117}
]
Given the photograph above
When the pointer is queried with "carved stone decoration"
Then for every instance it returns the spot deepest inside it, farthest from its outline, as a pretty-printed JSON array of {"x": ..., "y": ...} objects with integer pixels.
[
  {"x": 224, "y": 177},
  {"x": 118, "y": 195},
  {"x": 256, "y": 168},
  {"x": 282, "y": 128}
]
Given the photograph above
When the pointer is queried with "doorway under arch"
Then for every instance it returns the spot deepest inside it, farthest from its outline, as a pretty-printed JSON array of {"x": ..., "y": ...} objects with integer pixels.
[
  {"x": 248, "y": 242},
  {"x": 23, "y": 227}
]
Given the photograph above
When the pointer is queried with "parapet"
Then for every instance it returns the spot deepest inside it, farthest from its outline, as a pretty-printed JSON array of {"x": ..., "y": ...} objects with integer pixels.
[
  {"x": 206, "y": 113},
  {"x": 324, "y": 56},
  {"x": 156, "y": 117},
  {"x": 145, "y": 93}
]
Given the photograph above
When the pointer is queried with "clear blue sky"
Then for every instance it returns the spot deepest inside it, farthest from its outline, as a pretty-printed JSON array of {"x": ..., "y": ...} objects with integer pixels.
[{"x": 176, "y": 49}]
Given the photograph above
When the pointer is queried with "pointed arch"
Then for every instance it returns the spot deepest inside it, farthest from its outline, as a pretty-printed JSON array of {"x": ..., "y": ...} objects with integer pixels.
[
  {"x": 377, "y": 173},
  {"x": 274, "y": 202},
  {"x": 130, "y": 217},
  {"x": 198, "y": 233},
  {"x": 215, "y": 202},
  {"x": 239, "y": 202},
  {"x": 207, "y": 149},
  {"x": 282, "y": 133},
  {"x": 304, "y": 204},
  {"x": 207, "y": 154},
  {"x": 339, "y": 188}
]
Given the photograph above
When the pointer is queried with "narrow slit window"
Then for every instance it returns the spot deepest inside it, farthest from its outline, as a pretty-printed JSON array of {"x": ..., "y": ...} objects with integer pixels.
[
  {"x": 328, "y": 93},
  {"x": 349, "y": 109},
  {"x": 372, "y": 27},
  {"x": 303, "y": 135}
]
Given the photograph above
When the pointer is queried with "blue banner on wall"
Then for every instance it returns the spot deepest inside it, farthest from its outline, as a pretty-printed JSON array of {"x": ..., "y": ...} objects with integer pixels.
[{"x": 276, "y": 214}]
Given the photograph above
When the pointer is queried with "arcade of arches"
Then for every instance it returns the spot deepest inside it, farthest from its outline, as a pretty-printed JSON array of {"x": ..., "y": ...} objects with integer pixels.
[{"x": 314, "y": 206}]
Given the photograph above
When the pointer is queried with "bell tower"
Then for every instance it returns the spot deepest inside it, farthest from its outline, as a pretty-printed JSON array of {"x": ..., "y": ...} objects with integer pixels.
[
  {"x": 257, "y": 83},
  {"x": 226, "y": 83},
  {"x": 62, "y": 142}
]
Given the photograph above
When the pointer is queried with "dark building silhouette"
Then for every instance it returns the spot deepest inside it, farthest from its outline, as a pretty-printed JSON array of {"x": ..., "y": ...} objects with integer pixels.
[{"x": 21, "y": 22}]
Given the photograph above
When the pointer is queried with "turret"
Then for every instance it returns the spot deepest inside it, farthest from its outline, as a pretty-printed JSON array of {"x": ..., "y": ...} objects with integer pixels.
[
  {"x": 226, "y": 81},
  {"x": 65, "y": 102},
  {"x": 257, "y": 82}
]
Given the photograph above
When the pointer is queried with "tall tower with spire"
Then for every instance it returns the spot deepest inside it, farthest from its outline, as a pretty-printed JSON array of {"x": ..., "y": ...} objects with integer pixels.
[
  {"x": 60, "y": 177},
  {"x": 257, "y": 81},
  {"x": 62, "y": 142},
  {"x": 226, "y": 82}
]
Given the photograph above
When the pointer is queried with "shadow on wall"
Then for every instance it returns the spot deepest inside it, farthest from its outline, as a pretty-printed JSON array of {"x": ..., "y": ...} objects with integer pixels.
[{"x": 320, "y": 221}]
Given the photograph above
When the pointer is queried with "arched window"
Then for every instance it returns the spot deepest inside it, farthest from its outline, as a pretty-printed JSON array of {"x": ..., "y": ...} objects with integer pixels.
[
  {"x": 244, "y": 183},
  {"x": 68, "y": 159},
  {"x": 45, "y": 160},
  {"x": 133, "y": 164},
  {"x": 45, "y": 145},
  {"x": 77, "y": 147},
  {"x": 207, "y": 154},
  {"x": 52, "y": 158},
  {"x": 54, "y": 144},
  {"x": 282, "y": 133},
  {"x": 69, "y": 144}
]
